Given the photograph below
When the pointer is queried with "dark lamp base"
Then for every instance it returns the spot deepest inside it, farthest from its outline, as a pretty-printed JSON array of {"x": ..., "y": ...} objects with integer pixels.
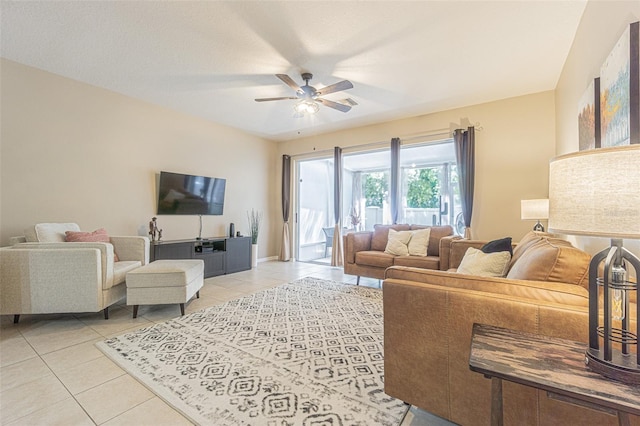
[
  {"x": 624, "y": 370},
  {"x": 538, "y": 227}
]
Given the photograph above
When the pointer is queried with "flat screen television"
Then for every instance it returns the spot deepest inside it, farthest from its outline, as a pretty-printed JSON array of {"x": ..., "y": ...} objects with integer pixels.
[{"x": 190, "y": 195}]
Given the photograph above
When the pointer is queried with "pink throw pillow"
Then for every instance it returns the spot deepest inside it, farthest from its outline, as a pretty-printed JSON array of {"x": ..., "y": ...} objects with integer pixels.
[{"x": 97, "y": 236}]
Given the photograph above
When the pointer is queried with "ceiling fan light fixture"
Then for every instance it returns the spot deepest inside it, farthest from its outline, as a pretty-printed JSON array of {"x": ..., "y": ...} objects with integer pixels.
[
  {"x": 310, "y": 98},
  {"x": 306, "y": 107}
]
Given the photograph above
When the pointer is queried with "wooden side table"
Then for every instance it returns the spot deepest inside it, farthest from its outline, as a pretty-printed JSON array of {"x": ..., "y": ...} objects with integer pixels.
[{"x": 554, "y": 365}]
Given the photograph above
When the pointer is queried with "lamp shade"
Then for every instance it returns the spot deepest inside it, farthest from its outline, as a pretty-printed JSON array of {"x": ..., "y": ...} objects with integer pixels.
[
  {"x": 596, "y": 193},
  {"x": 534, "y": 209}
]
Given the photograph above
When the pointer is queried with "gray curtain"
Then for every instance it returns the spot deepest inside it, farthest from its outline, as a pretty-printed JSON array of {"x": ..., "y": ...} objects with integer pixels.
[
  {"x": 394, "y": 181},
  {"x": 285, "y": 248},
  {"x": 465, "y": 144},
  {"x": 336, "y": 251}
]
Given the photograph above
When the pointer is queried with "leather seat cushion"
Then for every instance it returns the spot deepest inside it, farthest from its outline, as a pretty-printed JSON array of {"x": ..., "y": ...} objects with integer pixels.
[
  {"x": 375, "y": 258},
  {"x": 428, "y": 262}
]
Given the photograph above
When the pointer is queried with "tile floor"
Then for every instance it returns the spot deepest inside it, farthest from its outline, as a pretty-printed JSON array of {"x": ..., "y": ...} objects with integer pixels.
[{"x": 52, "y": 374}]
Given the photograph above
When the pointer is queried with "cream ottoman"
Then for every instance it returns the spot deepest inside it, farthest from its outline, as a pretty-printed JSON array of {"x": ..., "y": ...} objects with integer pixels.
[{"x": 164, "y": 282}]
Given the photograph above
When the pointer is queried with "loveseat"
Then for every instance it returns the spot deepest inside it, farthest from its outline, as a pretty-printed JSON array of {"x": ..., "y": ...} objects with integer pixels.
[
  {"x": 428, "y": 320},
  {"x": 364, "y": 252},
  {"x": 41, "y": 273}
]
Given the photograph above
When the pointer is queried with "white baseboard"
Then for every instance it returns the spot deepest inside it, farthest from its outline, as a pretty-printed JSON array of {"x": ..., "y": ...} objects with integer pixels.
[{"x": 267, "y": 259}]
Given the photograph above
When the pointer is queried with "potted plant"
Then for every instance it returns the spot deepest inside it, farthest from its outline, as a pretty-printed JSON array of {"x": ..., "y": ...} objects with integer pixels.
[
  {"x": 355, "y": 219},
  {"x": 255, "y": 218}
]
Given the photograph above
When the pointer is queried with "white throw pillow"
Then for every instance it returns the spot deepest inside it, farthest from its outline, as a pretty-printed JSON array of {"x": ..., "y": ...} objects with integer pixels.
[
  {"x": 49, "y": 232},
  {"x": 476, "y": 262},
  {"x": 397, "y": 242},
  {"x": 419, "y": 242}
]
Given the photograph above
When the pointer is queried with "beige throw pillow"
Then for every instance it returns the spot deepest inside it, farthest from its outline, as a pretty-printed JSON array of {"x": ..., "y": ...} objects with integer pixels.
[
  {"x": 419, "y": 242},
  {"x": 397, "y": 242},
  {"x": 408, "y": 243},
  {"x": 476, "y": 262}
]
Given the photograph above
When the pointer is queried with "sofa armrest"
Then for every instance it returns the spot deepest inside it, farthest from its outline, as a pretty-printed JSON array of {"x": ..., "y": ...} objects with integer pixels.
[
  {"x": 445, "y": 249},
  {"x": 355, "y": 242},
  {"x": 17, "y": 240},
  {"x": 35, "y": 280},
  {"x": 459, "y": 247},
  {"x": 132, "y": 248},
  {"x": 105, "y": 249}
]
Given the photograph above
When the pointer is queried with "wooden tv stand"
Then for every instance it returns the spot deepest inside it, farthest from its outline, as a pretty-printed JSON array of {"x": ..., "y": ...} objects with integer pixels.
[{"x": 221, "y": 255}]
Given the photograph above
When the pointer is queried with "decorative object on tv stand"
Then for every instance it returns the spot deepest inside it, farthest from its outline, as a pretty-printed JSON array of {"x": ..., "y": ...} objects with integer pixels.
[
  {"x": 154, "y": 232},
  {"x": 535, "y": 210},
  {"x": 254, "y": 229},
  {"x": 595, "y": 194}
]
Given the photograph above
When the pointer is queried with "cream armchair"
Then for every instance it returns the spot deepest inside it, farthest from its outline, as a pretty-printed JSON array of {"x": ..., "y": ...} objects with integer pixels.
[{"x": 42, "y": 274}]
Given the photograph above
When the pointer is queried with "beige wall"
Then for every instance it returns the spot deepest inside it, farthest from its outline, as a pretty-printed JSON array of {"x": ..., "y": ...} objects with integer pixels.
[
  {"x": 512, "y": 154},
  {"x": 77, "y": 153},
  {"x": 602, "y": 24}
]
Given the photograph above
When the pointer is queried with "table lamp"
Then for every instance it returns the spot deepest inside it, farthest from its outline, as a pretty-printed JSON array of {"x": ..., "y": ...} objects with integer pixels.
[
  {"x": 596, "y": 193},
  {"x": 535, "y": 210}
]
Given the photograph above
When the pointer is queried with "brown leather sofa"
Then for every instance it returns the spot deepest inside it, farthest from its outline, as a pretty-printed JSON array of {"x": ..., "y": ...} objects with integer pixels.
[
  {"x": 428, "y": 320},
  {"x": 364, "y": 251}
]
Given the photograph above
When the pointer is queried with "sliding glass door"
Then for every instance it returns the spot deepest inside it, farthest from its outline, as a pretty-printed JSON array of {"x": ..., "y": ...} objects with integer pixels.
[
  {"x": 314, "y": 209},
  {"x": 428, "y": 190}
]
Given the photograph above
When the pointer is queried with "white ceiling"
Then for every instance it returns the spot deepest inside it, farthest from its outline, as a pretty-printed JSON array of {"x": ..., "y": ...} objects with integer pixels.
[{"x": 212, "y": 58}]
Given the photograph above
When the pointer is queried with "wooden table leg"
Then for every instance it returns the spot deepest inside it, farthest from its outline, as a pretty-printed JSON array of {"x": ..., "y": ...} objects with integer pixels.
[
  {"x": 496, "y": 402},
  {"x": 623, "y": 418}
]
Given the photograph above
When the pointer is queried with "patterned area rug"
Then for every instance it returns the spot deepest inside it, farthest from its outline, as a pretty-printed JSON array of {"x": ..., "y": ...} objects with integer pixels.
[{"x": 305, "y": 353}]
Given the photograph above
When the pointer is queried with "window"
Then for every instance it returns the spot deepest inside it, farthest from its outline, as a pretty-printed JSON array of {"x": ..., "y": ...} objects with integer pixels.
[
  {"x": 429, "y": 184},
  {"x": 366, "y": 189}
]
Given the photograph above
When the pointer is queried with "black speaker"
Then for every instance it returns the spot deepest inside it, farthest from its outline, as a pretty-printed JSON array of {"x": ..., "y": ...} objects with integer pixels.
[{"x": 232, "y": 230}]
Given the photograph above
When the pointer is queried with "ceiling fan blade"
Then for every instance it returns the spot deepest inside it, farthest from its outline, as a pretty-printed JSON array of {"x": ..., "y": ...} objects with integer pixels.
[
  {"x": 348, "y": 101},
  {"x": 341, "y": 85},
  {"x": 289, "y": 82},
  {"x": 274, "y": 99},
  {"x": 334, "y": 105}
]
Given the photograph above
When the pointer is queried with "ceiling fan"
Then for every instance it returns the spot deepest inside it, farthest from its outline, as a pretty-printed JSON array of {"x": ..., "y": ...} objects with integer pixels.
[{"x": 310, "y": 97}]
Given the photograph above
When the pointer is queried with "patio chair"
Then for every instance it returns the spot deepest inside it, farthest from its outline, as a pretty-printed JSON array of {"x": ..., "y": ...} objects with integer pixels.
[{"x": 328, "y": 234}]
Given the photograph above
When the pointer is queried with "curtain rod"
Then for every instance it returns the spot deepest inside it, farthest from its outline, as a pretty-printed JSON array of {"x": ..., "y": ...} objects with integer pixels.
[{"x": 381, "y": 144}]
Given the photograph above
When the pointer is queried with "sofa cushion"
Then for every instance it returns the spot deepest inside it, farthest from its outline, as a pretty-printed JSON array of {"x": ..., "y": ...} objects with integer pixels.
[
  {"x": 419, "y": 242},
  {"x": 503, "y": 244},
  {"x": 397, "y": 243},
  {"x": 121, "y": 268},
  {"x": 436, "y": 234},
  {"x": 375, "y": 258},
  {"x": 97, "y": 236},
  {"x": 381, "y": 235},
  {"x": 552, "y": 259},
  {"x": 408, "y": 243},
  {"x": 476, "y": 262},
  {"x": 531, "y": 238},
  {"x": 425, "y": 262},
  {"x": 49, "y": 232}
]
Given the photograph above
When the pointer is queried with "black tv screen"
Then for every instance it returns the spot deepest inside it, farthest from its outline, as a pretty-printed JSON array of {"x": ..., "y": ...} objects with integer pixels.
[{"x": 190, "y": 195}]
